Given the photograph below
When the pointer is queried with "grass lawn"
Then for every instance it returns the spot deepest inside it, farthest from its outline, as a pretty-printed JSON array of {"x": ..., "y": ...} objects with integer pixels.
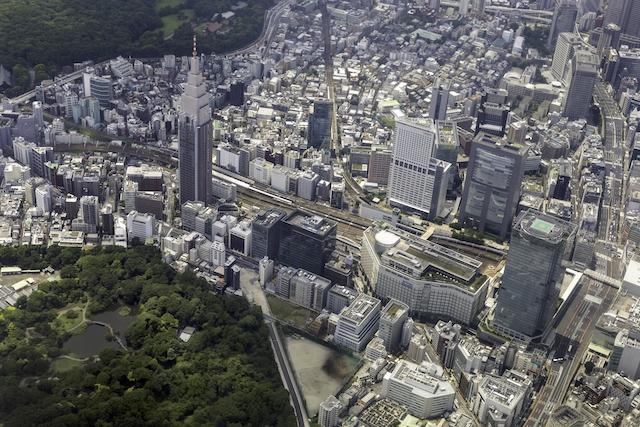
[
  {"x": 62, "y": 364},
  {"x": 167, "y": 3},
  {"x": 288, "y": 312},
  {"x": 170, "y": 23},
  {"x": 64, "y": 323}
]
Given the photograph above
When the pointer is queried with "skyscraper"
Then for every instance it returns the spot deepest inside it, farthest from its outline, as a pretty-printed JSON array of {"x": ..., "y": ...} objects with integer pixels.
[
  {"x": 625, "y": 14},
  {"x": 492, "y": 186},
  {"x": 320, "y": 123},
  {"x": 528, "y": 295},
  {"x": 418, "y": 181},
  {"x": 195, "y": 137},
  {"x": 566, "y": 46},
  {"x": 610, "y": 38},
  {"x": 564, "y": 19},
  {"x": 584, "y": 73},
  {"x": 439, "y": 100}
]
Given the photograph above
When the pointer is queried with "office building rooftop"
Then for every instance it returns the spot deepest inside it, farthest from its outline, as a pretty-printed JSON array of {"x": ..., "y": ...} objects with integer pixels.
[
  {"x": 422, "y": 258},
  {"x": 313, "y": 223},
  {"x": 544, "y": 227},
  {"x": 360, "y": 308}
]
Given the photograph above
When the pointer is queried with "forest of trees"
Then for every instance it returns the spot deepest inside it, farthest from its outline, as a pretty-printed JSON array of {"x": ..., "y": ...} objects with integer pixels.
[
  {"x": 224, "y": 376},
  {"x": 55, "y": 33}
]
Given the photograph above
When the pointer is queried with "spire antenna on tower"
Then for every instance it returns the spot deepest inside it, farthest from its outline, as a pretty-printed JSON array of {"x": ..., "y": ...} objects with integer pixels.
[{"x": 195, "y": 46}]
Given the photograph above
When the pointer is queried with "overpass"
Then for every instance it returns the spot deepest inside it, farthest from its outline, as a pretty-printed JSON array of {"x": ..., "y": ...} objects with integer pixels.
[{"x": 541, "y": 16}]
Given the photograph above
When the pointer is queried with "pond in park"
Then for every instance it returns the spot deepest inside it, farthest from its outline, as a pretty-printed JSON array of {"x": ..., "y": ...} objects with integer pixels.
[{"x": 95, "y": 338}]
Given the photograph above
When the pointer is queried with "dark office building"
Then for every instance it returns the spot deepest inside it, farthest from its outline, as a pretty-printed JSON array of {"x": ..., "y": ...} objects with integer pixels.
[
  {"x": 307, "y": 241},
  {"x": 106, "y": 219},
  {"x": 266, "y": 234},
  {"x": 493, "y": 184},
  {"x": 561, "y": 191},
  {"x": 320, "y": 123},
  {"x": 237, "y": 243},
  {"x": 236, "y": 94},
  {"x": 493, "y": 112},
  {"x": 150, "y": 202}
]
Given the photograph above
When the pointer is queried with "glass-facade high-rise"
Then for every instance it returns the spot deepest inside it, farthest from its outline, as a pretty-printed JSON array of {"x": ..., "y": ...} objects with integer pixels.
[
  {"x": 266, "y": 234},
  {"x": 528, "y": 294},
  {"x": 307, "y": 241},
  {"x": 492, "y": 186},
  {"x": 195, "y": 137}
]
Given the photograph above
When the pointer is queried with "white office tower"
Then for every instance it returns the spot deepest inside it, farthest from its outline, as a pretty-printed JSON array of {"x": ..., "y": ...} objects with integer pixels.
[
  {"x": 38, "y": 114},
  {"x": 140, "y": 226},
  {"x": 22, "y": 151},
  {"x": 195, "y": 137},
  {"x": 418, "y": 181},
  {"x": 394, "y": 314},
  {"x": 260, "y": 170},
  {"x": 500, "y": 400},
  {"x": 329, "y": 412},
  {"x": 212, "y": 252},
  {"x": 265, "y": 271},
  {"x": 565, "y": 49},
  {"x": 358, "y": 323},
  {"x": 43, "y": 198},
  {"x": 420, "y": 388},
  {"x": 120, "y": 232}
]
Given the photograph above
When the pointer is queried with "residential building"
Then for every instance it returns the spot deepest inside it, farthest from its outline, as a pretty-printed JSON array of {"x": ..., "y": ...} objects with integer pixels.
[{"x": 329, "y": 412}]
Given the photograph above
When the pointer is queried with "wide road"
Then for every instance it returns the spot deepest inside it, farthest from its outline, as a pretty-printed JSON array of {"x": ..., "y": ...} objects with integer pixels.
[
  {"x": 572, "y": 339},
  {"x": 271, "y": 22},
  {"x": 613, "y": 134}
]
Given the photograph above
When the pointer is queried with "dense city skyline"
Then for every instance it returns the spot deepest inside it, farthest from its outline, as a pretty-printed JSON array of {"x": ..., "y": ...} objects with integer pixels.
[{"x": 374, "y": 213}]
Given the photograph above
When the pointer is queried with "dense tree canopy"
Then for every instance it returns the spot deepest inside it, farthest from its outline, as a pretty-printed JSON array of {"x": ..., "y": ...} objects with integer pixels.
[
  {"x": 54, "y": 33},
  {"x": 224, "y": 376}
]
